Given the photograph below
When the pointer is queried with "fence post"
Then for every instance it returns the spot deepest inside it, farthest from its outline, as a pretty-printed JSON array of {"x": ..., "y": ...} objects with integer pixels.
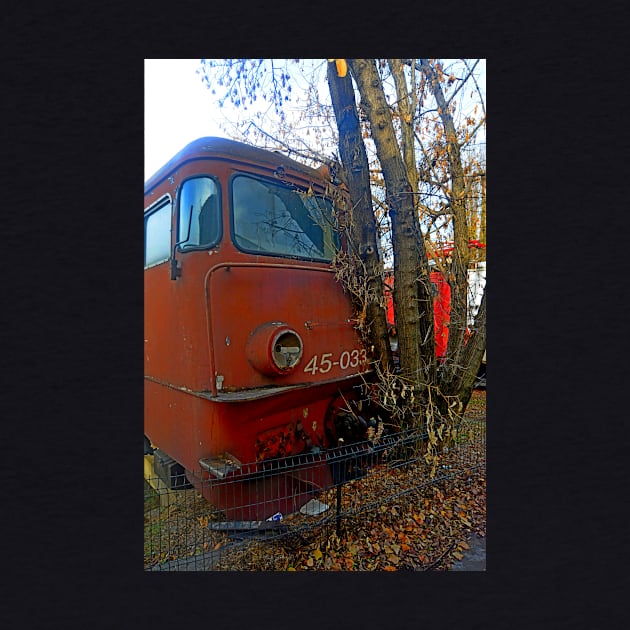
[{"x": 338, "y": 508}]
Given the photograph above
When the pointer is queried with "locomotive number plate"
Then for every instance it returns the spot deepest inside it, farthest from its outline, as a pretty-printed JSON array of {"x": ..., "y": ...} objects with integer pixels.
[{"x": 347, "y": 359}]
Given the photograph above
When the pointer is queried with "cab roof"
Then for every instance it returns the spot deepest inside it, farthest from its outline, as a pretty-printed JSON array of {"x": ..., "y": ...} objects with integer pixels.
[{"x": 231, "y": 149}]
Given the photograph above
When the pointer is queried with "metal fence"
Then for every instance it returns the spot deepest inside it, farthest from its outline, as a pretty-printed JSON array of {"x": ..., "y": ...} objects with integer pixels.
[{"x": 255, "y": 517}]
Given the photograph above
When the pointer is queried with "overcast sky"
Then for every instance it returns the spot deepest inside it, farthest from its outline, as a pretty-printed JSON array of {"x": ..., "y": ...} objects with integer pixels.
[{"x": 178, "y": 108}]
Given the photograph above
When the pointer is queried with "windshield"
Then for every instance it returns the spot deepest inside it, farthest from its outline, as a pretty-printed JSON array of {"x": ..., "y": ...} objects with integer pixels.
[{"x": 276, "y": 219}]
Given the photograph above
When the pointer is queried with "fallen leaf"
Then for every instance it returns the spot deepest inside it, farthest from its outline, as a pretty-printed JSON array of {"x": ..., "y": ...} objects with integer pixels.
[{"x": 464, "y": 520}]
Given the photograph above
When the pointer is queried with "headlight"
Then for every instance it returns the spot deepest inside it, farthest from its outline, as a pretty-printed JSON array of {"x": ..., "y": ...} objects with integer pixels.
[{"x": 274, "y": 348}]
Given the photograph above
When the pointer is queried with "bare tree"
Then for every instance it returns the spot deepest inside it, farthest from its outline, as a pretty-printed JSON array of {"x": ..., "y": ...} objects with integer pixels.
[{"x": 413, "y": 298}]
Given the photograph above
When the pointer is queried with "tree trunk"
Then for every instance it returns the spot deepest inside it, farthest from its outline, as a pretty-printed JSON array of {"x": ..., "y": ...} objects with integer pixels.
[
  {"x": 413, "y": 300},
  {"x": 473, "y": 354},
  {"x": 406, "y": 125},
  {"x": 363, "y": 231},
  {"x": 482, "y": 230}
]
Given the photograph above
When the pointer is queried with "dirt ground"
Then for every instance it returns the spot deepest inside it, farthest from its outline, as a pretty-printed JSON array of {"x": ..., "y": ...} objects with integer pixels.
[{"x": 476, "y": 409}]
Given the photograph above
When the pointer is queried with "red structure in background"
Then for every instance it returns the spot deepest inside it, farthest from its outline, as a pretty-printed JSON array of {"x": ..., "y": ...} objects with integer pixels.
[
  {"x": 441, "y": 310},
  {"x": 441, "y": 300}
]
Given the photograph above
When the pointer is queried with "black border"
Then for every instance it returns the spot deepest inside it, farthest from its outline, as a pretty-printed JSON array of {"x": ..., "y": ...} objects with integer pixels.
[{"x": 73, "y": 313}]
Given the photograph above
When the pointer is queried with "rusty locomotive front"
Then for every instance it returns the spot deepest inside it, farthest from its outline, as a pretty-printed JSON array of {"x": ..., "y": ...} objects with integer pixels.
[{"x": 251, "y": 352}]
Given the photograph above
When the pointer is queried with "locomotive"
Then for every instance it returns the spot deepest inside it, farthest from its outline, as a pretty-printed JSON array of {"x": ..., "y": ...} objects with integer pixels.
[{"x": 251, "y": 351}]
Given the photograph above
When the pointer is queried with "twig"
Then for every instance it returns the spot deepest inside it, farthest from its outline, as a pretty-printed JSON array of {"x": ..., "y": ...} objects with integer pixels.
[{"x": 433, "y": 564}]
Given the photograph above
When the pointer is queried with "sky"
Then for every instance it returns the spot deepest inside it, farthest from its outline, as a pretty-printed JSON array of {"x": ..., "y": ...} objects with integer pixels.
[{"x": 178, "y": 108}]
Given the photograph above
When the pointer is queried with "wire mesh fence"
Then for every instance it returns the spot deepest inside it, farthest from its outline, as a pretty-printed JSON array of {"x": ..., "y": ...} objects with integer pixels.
[{"x": 229, "y": 516}]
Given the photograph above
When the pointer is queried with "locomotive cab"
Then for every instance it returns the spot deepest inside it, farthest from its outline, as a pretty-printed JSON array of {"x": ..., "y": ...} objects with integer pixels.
[{"x": 250, "y": 349}]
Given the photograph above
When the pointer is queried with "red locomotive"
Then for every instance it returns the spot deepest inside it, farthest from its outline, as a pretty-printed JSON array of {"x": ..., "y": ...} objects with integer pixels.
[{"x": 250, "y": 349}]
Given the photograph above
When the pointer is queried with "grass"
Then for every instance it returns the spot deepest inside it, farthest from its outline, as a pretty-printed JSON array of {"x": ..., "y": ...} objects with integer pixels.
[{"x": 151, "y": 497}]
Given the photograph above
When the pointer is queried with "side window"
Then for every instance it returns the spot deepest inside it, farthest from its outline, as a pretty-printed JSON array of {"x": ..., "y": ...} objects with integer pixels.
[
  {"x": 157, "y": 235},
  {"x": 199, "y": 213}
]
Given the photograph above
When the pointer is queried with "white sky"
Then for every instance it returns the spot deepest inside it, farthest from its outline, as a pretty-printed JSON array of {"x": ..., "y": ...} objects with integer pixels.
[{"x": 178, "y": 109}]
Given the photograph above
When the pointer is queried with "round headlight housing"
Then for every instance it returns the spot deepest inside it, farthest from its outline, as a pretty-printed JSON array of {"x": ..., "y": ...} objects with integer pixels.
[{"x": 274, "y": 349}]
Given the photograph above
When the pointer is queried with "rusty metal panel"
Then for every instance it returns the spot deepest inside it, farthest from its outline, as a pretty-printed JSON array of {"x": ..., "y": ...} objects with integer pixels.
[{"x": 244, "y": 298}]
